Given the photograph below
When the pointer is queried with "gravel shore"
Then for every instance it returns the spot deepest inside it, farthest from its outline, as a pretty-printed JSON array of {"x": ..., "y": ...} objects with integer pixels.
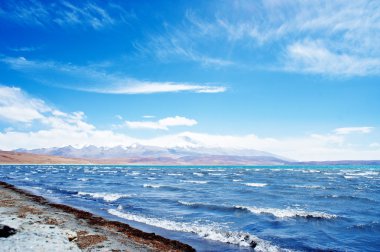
[{"x": 32, "y": 223}]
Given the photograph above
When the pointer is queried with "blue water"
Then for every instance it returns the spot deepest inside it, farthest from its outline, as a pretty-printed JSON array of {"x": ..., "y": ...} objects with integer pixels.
[{"x": 224, "y": 208}]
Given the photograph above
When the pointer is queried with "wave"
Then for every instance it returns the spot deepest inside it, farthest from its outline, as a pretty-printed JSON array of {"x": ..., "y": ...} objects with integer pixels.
[
  {"x": 83, "y": 179},
  {"x": 209, "y": 232},
  {"x": 347, "y": 197},
  {"x": 256, "y": 184},
  {"x": 366, "y": 173},
  {"x": 198, "y": 174},
  {"x": 288, "y": 213},
  {"x": 372, "y": 226},
  {"x": 206, "y": 205},
  {"x": 175, "y": 174},
  {"x": 279, "y": 213},
  {"x": 109, "y": 197},
  {"x": 309, "y": 186},
  {"x": 215, "y": 174},
  {"x": 349, "y": 177},
  {"x": 195, "y": 181},
  {"x": 152, "y": 185},
  {"x": 156, "y": 186}
]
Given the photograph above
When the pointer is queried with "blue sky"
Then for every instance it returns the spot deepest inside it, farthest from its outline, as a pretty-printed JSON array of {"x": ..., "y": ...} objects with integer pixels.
[{"x": 297, "y": 78}]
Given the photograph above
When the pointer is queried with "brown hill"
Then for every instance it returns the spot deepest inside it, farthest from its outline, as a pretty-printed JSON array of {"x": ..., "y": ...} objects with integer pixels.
[{"x": 11, "y": 157}]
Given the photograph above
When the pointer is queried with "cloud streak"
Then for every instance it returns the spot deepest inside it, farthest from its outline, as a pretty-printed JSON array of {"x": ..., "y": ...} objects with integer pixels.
[
  {"x": 162, "y": 124},
  {"x": 92, "y": 79},
  {"x": 92, "y": 14}
]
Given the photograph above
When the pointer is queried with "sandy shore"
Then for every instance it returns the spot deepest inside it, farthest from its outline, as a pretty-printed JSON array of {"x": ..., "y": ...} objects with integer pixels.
[{"x": 32, "y": 223}]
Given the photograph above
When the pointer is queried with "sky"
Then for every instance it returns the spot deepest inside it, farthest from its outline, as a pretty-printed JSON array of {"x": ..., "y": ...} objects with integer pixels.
[{"x": 300, "y": 79}]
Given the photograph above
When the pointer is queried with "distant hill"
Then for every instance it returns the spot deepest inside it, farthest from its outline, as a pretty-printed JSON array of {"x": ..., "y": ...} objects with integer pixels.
[
  {"x": 11, "y": 157},
  {"x": 141, "y": 154},
  {"x": 151, "y": 155}
]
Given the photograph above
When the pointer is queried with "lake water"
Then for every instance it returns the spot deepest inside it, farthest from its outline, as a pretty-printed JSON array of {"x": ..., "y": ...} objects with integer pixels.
[{"x": 228, "y": 208}]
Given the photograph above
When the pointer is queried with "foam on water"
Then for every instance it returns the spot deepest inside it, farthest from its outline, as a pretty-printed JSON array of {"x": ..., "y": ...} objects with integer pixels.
[
  {"x": 279, "y": 213},
  {"x": 195, "y": 181},
  {"x": 288, "y": 212},
  {"x": 83, "y": 179},
  {"x": 109, "y": 197},
  {"x": 309, "y": 186},
  {"x": 152, "y": 185},
  {"x": 209, "y": 232},
  {"x": 215, "y": 174},
  {"x": 256, "y": 184}
]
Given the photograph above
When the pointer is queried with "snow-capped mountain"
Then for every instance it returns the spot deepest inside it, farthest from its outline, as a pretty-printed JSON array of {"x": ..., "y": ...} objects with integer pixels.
[{"x": 137, "y": 153}]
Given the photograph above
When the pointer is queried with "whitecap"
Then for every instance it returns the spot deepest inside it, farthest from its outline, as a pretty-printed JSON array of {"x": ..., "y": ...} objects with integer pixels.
[
  {"x": 195, "y": 181},
  {"x": 209, "y": 232},
  {"x": 198, "y": 174},
  {"x": 152, "y": 186},
  {"x": 349, "y": 177},
  {"x": 287, "y": 213},
  {"x": 309, "y": 186},
  {"x": 256, "y": 184},
  {"x": 83, "y": 179},
  {"x": 109, "y": 197}
]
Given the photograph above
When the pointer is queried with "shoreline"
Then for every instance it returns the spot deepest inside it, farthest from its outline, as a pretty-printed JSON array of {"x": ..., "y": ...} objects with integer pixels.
[{"x": 33, "y": 215}]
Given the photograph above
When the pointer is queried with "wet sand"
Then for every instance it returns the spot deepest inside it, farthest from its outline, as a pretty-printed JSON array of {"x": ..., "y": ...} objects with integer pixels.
[{"x": 32, "y": 223}]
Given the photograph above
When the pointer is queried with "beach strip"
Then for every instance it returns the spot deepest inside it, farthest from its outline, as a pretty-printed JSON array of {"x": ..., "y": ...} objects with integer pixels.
[{"x": 32, "y": 223}]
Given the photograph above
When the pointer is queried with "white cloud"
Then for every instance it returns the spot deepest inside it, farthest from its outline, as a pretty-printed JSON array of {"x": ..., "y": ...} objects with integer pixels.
[
  {"x": 314, "y": 57},
  {"x": 16, "y": 106},
  {"x": 350, "y": 130},
  {"x": 162, "y": 124},
  {"x": 64, "y": 13},
  {"x": 133, "y": 86},
  {"x": 92, "y": 79},
  {"x": 328, "y": 38},
  {"x": 55, "y": 128}
]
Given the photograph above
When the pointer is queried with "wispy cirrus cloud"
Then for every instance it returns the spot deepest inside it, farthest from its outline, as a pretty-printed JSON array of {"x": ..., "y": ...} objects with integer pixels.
[
  {"x": 93, "y": 79},
  {"x": 333, "y": 38},
  {"x": 315, "y": 57},
  {"x": 93, "y": 14},
  {"x": 162, "y": 124},
  {"x": 176, "y": 44}
]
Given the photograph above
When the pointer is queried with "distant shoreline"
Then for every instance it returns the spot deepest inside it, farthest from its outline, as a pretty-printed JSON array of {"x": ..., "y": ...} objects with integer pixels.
[
  {"x": 37, "y": 213},
  {"x": 19, "y": 158}
]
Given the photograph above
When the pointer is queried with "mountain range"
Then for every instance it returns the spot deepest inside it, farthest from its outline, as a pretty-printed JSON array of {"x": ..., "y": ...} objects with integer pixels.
[{"x": 142, "y": 154}]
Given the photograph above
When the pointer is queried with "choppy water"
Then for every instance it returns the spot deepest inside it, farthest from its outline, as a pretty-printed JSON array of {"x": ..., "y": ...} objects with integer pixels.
[{"x": 224, "y": 208}]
